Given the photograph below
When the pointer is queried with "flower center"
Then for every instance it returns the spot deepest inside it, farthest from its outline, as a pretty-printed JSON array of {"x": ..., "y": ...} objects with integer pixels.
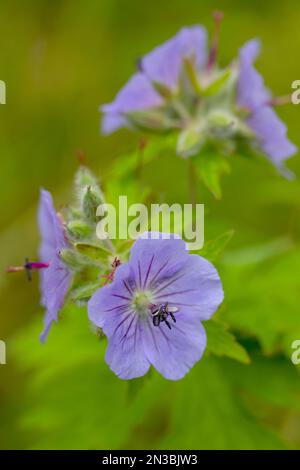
[{"x": 142, "y": 302}]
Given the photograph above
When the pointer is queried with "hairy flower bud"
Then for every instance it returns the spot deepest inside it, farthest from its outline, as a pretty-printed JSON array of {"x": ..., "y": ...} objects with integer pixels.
[
  {"x": 91, "y": 200},
  {"x": 72, "y": 259},
  {"x": 78, "y": 229},
  {"x": 190, "y": 141}
]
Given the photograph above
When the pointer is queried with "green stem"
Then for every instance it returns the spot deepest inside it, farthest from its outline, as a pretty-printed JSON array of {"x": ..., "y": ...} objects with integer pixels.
[{"x": 192, "y": 182}]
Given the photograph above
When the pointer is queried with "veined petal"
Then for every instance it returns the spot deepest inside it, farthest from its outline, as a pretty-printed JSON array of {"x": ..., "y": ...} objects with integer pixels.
[
  {"x": 125, "y": 352},
  {"x": 196, "y": 289},
  {"x": 110, "y": 308},
  {"x": 110, "y": 304},
  {"x": 174, "y": 352},
  {"x": 153, "y": 259}
]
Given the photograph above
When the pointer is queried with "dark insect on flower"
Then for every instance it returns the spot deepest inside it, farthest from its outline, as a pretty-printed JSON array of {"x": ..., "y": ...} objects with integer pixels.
[
  {"x": 160, "y": 314},
  {"x": 160, "y": 276}
]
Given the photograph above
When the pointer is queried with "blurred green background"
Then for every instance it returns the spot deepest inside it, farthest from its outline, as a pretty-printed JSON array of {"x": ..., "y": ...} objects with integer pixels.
[{"x": 60, "y": 60}]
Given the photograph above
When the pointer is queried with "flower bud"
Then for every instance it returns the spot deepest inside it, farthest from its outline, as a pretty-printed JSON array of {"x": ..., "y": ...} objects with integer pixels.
[
  {"x": 72, "y": 259},
  {"x": 150, "y": 120},
  {"x": 190, "y": 141},
  {"x": 91, "y": 200},
  {"x": 78, "y": 229}
]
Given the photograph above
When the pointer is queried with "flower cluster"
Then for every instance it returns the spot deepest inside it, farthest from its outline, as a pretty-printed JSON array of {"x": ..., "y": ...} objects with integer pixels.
[
  {"x": 180, "y": 87},
  {"x": 150, "y": 303},
  {"x": 149, "y": 307}
]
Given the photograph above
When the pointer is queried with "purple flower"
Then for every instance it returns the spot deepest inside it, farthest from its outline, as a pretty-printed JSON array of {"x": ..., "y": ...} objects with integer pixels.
[
  {"x": 55, "y": 280},
  {"x": 162, "y": 66},
  {"x": 179, "y": 87},
  {"x": 152, "y": 312},
  {"x": 256, "y": 99}
]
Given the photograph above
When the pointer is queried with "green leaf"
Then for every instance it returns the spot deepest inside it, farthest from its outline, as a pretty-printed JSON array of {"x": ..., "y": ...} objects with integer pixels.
[
  {"x": 210, "y": 166},
  {"x": 214, "y": 248},
  {"x": 258, "y": 253},
  {"x": 95, "y": 252},
  {"x": 126, "y": 167},
  {"x": 222, "y": 343},
  {"x": 262, "y": 299},
  {"x": 72, "y": 400},
  {"x": 85, "y": 291},
  {"x": 210, "y": 415}
]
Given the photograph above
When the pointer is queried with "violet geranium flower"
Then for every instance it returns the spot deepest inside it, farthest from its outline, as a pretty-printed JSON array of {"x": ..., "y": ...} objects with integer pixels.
[
  {"x": 179, "y": 87},
  {"x": 56, "y": 279},
  {"x": 254, "y": 97},
  {"x": 152, "y": 312}
]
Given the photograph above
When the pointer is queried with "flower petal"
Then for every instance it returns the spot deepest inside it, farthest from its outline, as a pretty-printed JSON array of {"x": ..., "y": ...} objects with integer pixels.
[
  {"x": 111, "y": 303},
  {"x": 164, "y": 63},
  {"x": 174, "y": 352},
  {"x": 125, "y": 352},
  {"x": 137, "y": 94},
  {"x": 154, "y": 258},
  {"x": 251, "y": 88},
  {"x": 110, "y": 309},
  {"x": 51, "y": 229},
  {"x": 196, "y": 289},
  {"x": 55, "y": 282},
  {"x": 111, "y": 122},
  {"x": 271, "y": 133}
]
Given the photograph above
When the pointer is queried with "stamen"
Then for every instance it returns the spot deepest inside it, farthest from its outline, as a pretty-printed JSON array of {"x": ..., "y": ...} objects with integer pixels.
[
  {"x": 27, "y": 267},
  {"x": 218, "y": 17},
  {"x": 14, "y": 269},
  {"x": 280, "y": 100},
  {"x": 81, "y": 157},
  {"x": 110, "y": 276}
]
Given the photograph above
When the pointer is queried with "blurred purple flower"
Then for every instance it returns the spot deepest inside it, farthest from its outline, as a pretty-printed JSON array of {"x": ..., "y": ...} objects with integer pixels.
[
  {"x": 256, "y": 99},
  {"x": 162, "y": 66},
  {"x": 179, "y": 86},
  {"x": 152, "y": 312},
  {"x": 56, "y": 279}
]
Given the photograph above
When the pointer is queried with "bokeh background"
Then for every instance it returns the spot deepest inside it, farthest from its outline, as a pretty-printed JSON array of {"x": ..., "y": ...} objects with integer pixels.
[{"x": 60, "y": 60}]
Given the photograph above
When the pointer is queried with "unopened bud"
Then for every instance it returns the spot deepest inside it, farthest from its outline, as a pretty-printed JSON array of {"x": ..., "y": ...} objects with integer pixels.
[
  {"x": 72, "y": 259},
  {"x": 78, "y": 229},
  {"x": 150, "y": 120},
  {"x": 91, "y": 200},
  {"x": 190, "y": 141}
]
